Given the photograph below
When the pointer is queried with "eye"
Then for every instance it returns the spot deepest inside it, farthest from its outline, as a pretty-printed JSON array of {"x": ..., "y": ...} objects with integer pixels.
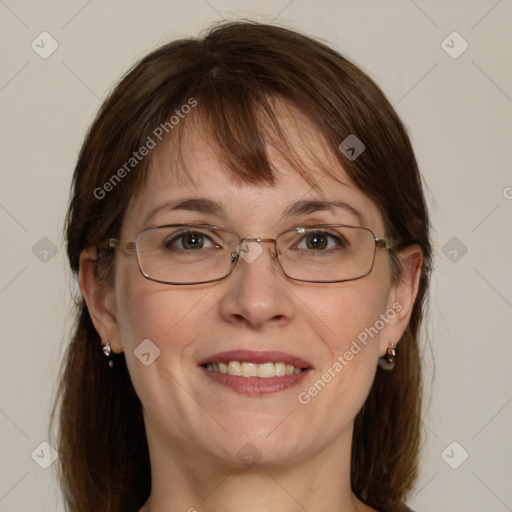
[
  {"x": 322, "y": 240},
  {"x": 188, "y": 241}
]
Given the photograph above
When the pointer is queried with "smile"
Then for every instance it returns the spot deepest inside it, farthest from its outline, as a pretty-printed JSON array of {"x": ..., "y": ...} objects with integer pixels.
[
  {"x": 245, "y": 369},
  {"x": 255, "y": 372}
]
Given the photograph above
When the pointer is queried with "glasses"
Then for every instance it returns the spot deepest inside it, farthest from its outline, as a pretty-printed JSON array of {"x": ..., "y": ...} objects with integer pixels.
[{"x": 200, "y": 253}]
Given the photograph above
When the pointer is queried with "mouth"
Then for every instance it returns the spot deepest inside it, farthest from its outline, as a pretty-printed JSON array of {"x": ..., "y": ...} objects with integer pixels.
[
  {"x": 253, "y": 372},
  {"x": 248, "y": 363},
  {"x": 247, "y": 369}
]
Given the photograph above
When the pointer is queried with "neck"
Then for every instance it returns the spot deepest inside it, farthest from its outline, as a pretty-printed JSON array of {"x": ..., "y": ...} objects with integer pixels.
[{"x": 183, "y": 479}]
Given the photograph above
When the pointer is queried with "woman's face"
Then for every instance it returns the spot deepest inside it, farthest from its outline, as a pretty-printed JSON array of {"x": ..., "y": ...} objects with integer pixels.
[{"x": 255, "y": 309}]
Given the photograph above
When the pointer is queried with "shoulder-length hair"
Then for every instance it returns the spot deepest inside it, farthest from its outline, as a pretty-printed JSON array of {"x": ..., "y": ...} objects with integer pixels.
[{"x": 231, "y": 78}]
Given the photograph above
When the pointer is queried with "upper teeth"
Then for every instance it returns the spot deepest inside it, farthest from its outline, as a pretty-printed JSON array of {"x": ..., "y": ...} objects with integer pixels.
[{"x": 244, "y": 369}]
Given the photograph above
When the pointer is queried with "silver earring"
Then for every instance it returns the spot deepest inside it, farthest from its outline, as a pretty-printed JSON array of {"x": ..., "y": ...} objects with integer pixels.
[
  {"x": 387, "y": 361},
  {"x": 107, "y": 352}
]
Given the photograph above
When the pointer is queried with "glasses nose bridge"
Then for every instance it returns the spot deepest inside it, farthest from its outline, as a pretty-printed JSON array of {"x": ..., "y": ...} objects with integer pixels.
[
  {"x": 242, "y": 248},
  {"x": 260, "y": 240}
]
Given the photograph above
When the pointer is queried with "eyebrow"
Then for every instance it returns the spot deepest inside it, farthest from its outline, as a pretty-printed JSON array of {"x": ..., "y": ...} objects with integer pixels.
[{"x": 302, "y": 207}]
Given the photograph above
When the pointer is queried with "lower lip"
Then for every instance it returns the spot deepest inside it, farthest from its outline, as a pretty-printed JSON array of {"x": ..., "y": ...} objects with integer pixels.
[{"x": 257, "y": 385}]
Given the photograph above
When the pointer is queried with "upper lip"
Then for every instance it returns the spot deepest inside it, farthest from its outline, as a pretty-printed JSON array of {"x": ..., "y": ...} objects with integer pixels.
[{"x": 252, "y": 356}]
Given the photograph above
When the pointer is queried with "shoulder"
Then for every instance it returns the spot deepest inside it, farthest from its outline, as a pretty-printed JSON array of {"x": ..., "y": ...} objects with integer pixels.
[
  {"x": 397, "y": 507},
  {"x": 401, "y": 508}
]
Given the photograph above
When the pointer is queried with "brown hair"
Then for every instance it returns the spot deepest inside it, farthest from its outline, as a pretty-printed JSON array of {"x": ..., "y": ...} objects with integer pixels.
[{"x": 234, "y": 73}]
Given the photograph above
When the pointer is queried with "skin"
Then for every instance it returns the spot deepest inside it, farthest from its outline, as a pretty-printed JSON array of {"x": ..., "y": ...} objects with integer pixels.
[{"x": 194, "y": 426}]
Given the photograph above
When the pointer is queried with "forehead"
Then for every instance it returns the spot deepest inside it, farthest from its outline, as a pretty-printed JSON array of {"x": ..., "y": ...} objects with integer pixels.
[{"x": 197, "y": 171}]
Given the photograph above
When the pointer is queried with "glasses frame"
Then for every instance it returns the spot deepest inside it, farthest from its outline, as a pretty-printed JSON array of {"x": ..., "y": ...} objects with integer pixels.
[{"x": 132, "y": 247}]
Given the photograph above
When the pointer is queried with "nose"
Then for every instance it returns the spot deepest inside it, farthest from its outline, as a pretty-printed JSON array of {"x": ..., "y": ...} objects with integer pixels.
[{"x": 256, "y": 293}]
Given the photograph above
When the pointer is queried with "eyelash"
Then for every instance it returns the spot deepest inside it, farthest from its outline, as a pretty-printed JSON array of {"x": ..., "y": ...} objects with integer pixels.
[{"x": 341, "y": 242}]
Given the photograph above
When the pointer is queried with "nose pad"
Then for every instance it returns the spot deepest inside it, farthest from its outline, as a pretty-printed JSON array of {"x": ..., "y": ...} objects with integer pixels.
[{"x": 249, "y": 250}]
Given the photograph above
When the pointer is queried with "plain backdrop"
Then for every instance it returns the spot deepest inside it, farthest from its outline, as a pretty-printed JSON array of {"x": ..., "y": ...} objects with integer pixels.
[{"x": 457, "y": 105}]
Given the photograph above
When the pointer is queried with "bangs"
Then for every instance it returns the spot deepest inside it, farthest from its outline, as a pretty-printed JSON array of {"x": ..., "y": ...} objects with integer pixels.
[{"x": 243, "y": 125}]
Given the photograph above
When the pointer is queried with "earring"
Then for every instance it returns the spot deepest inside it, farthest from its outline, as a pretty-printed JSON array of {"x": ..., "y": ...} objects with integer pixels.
[
  {"x": 107, "y": 352},
  {"x": 387, "y": 361}
]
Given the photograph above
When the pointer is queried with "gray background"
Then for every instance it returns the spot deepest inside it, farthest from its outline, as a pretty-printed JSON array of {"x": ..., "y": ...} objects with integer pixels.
[{"x": 458, "y": 112}]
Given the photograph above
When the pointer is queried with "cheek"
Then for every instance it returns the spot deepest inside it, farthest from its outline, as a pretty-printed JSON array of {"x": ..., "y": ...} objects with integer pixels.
[
  {"x": 170, "y": 318},
  {"x": 351, "y": 311},
  {"x": 166, "y": 315}
]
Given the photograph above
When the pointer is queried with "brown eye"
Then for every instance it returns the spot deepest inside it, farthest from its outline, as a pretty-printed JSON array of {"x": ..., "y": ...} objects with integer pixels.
[
  {"x": 190, "y": 240},
  {"x": 316, "y": 241},
  {"x": 322, "y": 240}
]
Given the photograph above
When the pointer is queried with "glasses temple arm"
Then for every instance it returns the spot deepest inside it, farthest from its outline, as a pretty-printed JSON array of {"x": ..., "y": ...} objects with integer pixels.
[
  {"x": 113, "y": 243},
  {"x": 387, "y": 242}
]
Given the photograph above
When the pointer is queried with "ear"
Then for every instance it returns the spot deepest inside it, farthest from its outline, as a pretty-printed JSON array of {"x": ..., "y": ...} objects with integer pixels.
[
  {"x": 402, "y": 296},
  {"x": 99, "y": 299}
]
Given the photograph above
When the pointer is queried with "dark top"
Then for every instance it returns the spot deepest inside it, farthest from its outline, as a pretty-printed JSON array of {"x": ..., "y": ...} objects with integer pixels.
[
  {"x": 398, "y": 508},
  {"x": 394, "y": 507}
]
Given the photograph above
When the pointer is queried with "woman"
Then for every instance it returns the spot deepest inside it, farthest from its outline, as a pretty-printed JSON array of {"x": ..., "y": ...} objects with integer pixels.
[{"x": 251, "y": 241}]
